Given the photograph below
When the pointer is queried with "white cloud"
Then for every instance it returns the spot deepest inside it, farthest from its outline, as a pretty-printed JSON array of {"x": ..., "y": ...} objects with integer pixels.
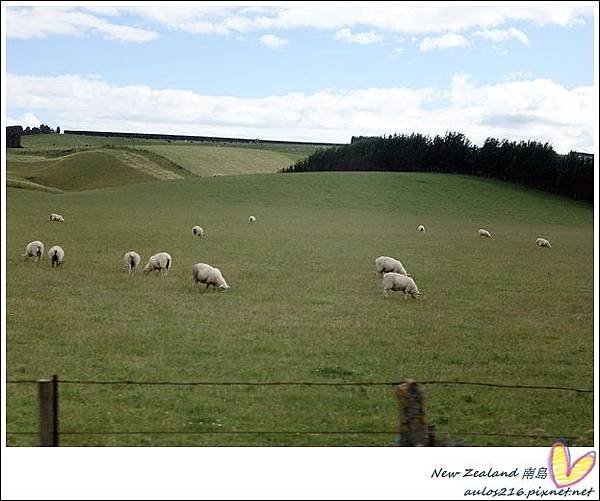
[
  {"x": 393, "y": 17},
  {"x": 196, "y": 18},
  {"x": 535, "y": 109},
  {"x": 273, "y": 41},
  {"x": 447, "y": 41},
  {"x": 38, "y": 22},
  {"x": 517, "y": 75},
  {"x": 397, "y": 52},
  {"x": 25, "y": 120},
  {"x": 362, "y": 38},
  {"x": 103, "y": 10},
  {"x": 498, "y": 36}
]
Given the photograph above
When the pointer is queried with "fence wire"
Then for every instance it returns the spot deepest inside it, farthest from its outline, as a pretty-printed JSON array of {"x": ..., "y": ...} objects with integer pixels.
[{"x": 306, "y": 383}]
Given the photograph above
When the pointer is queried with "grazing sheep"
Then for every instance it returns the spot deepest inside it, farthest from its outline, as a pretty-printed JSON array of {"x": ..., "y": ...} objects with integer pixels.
[
  {"x": 251, "y": 219},
  {"x": 56, "y": 255},
  {"x": 385, "y": 264},
  {"x": 421, "y": 228},
  {"x": 56, "y": 217},
  {"x": 206, "y": 274},
  {"x": 159, "y": 262},
  {"x": 484, "y": 233},
  {"x": 198, "y": 231},
  {"x": 34, "y": 250},
  {"x": 399, "y": 282},
  {"x": 132, "y": 260},
  {"x": 542, "y": 242}
]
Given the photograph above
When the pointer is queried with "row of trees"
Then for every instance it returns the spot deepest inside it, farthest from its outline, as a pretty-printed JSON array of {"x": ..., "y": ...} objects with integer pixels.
[
  {"x": 529, "y": 163},
  {"x": 42, "y": 129}
]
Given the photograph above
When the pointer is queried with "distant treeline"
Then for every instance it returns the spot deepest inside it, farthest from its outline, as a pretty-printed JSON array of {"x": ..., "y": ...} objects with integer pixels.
[
  {"x": 42, "y": 129},
  {"x": 529, "y": 163},
  {"x": 177, "y": 137}
]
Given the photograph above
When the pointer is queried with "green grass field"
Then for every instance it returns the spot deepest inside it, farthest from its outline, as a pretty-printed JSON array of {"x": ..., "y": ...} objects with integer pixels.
[{"x": 305, "y": 304}]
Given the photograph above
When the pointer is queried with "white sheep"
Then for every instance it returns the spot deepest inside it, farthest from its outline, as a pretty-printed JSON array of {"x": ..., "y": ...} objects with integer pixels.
[
  {"x": 385, "y": 264},
  {"x": 56, "y": 255},
  {"x": 251, "y": 219},
  {"x": 159, "y": 262},
  {"x": 400, "y": 282},
  {"x": 198, "y": 231},
  {"x": 421, "y": 228},
  {"x": 203, "y": 273},
  {"x": 132, "y": 260},
  {"x": 34, "y": 250},
  {"x": 542, "y": 242},
  {"x": 56, "y": 217},
  {"x": 484, "y": 233}
]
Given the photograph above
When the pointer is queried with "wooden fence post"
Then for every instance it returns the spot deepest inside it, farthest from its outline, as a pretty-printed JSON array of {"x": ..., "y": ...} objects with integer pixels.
[
  {"x": 411, "y": 410},
  {"x": 48, "y": 409},
  {"x": 432, "y": 435}
]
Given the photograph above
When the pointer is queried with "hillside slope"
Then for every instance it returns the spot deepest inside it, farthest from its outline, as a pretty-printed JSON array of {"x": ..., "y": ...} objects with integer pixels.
[
  {"x": 79, "y": 171},
  {"x": 182, "y": 158}
]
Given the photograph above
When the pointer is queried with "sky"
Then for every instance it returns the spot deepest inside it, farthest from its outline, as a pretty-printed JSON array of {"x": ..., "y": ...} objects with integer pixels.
[{"x": 308, "y": 72}]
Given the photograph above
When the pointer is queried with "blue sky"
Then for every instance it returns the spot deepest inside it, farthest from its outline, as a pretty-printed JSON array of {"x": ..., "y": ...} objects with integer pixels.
[{"x": 306, "y": 73}]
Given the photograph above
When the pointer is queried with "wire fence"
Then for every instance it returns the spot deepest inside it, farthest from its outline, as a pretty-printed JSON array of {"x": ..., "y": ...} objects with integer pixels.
[
  {"x": 305, "y": 383},
  {"x": 411, "y": 410}
]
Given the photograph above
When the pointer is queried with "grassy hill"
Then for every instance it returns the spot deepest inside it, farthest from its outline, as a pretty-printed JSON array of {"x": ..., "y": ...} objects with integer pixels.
[
  {"x": 305, "y": 305},
  {"x": 205, "y": 160},
  {"x": 184, "y": 158},
  {"x": 78, "y": 171}
]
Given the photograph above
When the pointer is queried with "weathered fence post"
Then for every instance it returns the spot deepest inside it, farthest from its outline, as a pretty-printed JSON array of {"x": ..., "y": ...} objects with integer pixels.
[
  {"x": 411, "y": 409},
  {"x": 48, "y": 407},
  {"x": 432, "y": 435}
]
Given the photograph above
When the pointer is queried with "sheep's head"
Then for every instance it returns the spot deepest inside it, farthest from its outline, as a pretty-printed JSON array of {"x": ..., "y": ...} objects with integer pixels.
[{"x": 413, "y": 290}]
